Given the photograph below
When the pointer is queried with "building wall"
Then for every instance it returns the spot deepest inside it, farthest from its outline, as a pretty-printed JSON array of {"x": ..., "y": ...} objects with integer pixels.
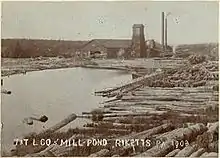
[
  {"x": 93, "y": 47},
  {"x": 118, "y": 53},
  {"x": 112, "y": 52}
]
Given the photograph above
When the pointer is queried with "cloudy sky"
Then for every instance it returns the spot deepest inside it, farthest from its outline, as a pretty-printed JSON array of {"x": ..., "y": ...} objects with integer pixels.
[{"x": 189, "y": 22}]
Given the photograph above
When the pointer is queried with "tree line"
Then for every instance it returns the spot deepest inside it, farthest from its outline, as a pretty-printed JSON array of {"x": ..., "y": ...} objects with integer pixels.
[{"x": 27, "y": 48}]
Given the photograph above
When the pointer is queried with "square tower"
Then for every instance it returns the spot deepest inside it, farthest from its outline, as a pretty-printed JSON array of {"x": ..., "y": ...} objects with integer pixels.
[{"x": 138, "y": 41}]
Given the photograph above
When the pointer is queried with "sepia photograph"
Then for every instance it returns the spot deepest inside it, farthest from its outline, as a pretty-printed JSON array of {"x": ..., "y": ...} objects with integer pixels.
[{"x": 109, "y": 78}]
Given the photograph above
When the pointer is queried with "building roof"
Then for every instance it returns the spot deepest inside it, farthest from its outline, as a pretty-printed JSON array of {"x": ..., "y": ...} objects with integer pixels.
[
  {"x": 117, "y": 43},
  {"x": 107, "y": 43}
]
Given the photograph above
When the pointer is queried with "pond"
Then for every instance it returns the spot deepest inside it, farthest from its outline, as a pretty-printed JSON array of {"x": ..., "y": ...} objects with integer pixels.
[{"x": 54, "y": 93}]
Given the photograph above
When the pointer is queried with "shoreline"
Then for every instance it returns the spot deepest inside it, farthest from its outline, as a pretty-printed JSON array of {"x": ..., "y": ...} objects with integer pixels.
[
  {"x": 18, "y": 72},
  {"x": 15, "y": 66}
]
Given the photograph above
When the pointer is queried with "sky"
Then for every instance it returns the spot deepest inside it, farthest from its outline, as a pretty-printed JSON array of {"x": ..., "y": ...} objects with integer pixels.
[{"x": 189, "y": 22}]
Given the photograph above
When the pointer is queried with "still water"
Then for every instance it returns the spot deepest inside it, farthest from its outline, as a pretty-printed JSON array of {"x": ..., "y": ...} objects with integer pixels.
[{"x": 54, "y": 93}]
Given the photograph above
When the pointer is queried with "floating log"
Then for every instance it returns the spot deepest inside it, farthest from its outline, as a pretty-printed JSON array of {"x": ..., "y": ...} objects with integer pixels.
[
  {"x": 59, "y": 125},
  {"x": 136, "y": 83},
  {"x": 30, "y": 120},
  {"x": 187, "y": 151},
  {"x": 198, "y": 153},
  {"x": 5, "y": 91},
  {"x": 172, "y": 153},
  {"x": 101, "y": 153}
]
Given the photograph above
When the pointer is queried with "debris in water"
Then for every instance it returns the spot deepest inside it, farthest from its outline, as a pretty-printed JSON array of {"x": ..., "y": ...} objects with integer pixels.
[
  {"x": 6, "y": 92},
  {"x": 43, "y": 118},
  {"x": 28, "y": 121}
]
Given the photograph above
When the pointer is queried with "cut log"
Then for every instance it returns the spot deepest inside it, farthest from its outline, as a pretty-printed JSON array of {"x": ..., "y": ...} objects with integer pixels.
[
  {"x": 173, "y": 153},
  {"x": 115, "y": 155},
  {"x": 213, "y": 127},
  {"x": 189, "y": 133},
  {"x": 102, "y": 130},
  {"x": 187, "y": 151},
  {"x": 101, "y": 153},
  {"x": 158, "y": 150},
  {"x": 178, "y": 134},
  {"x": 141, "y": 135},
  {"x": 125, "y": 88},
  {"x": 110, "y": 125},
  {"x": 150, "y": 132},
  {"x": 212, "y": 154},
  {"x": 55, "y": 150},
  {"x": 204, "y": 154},
  {"x": 44, "y": 153},
  {"x": 209, "y": 139},
  {"x": 134, "y": 119},
  {"x": 199, "y": 83},
  {"x": 59, "y": 125},
  {"x": 213, "y": 147},
  {"x": 198, "y": 153}
]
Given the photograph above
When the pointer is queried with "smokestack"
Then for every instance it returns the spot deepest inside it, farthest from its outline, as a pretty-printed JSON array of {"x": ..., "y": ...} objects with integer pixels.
[
  {"x": 162, "y": 31},
  {"x": 138, "y": 40},
  {"x": 165, "y": 33}
]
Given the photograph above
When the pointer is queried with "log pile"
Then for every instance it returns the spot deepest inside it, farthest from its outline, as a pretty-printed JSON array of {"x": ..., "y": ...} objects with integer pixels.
[
  {"x": 188, "y": 76},
  {"x": 186, "y": 112},
  {"x": 195, "y": 59},
  {"x": 131, "y": 86},
  {"x": 195, "y": 74}
]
